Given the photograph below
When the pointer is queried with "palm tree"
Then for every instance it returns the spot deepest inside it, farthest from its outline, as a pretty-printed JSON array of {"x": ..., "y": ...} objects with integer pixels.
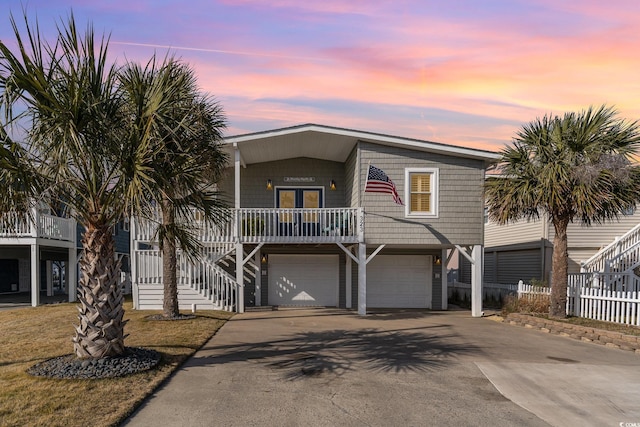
[
  {"x": 183, "y": 128},
  {"x": 66, "y": 95},
  {"x": 572, "y": 168}
]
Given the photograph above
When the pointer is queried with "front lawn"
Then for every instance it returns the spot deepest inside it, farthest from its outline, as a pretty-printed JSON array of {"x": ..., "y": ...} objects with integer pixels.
[{"x": 30, "y": 335}]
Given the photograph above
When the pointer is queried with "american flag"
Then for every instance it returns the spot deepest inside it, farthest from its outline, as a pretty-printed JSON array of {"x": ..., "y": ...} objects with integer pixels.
[{"x": 379, "y": 182}]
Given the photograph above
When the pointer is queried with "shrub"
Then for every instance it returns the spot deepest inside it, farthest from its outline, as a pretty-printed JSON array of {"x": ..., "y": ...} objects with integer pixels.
[
  {"x": 536, "y": 304},
  {"x": 538, "y": 283}
]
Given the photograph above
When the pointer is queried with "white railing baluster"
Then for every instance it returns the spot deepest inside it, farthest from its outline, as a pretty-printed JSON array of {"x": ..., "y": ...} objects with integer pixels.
[
  {"x": 265, "y": 225},
  {"x": 598, "y": 261},
  {"x": 14, "y": 224}
]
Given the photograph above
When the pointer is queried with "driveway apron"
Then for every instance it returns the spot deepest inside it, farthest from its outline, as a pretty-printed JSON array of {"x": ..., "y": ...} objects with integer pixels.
[{"x": 329, "y": 367}]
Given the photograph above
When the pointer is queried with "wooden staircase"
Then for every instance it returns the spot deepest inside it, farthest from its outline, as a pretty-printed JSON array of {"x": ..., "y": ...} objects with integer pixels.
[{"x": 202, "y": 282}]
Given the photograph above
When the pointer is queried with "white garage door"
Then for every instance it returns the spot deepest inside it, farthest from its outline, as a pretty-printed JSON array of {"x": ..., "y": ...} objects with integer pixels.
[
  {"x": 399, "y": 281},
  {"x": 303, "y": 280}
]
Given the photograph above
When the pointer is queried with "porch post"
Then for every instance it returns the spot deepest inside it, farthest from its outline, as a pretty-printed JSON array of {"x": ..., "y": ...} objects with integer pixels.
[
  {"x": 237, "y": 176},
  {"x": 348, "y": 283},
  {"x": 240, "y": 277},
  {"x": 35, "y": 275},
  {"x": 133, "y": 246},
  {"x": 476, "y": 281},
  {"x": 70, "y": 273},
  {"x": 362, "y": 279}
]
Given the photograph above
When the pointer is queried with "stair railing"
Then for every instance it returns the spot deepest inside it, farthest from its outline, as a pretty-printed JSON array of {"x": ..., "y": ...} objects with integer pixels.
[{"x": 620, "y": 245}]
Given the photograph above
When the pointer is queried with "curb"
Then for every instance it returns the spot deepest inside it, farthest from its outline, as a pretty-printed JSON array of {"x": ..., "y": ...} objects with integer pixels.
[{"x": 577, "y": 332}]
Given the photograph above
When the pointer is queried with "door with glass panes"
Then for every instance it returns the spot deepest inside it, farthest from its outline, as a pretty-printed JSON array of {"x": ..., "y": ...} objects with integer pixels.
[{"x": 291, "y": 221}]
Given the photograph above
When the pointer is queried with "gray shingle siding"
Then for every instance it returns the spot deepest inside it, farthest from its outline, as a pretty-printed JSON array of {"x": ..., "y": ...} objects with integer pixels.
[
  {"x": 254, "y": 177},
  {"x": 351, "y": 172},
  {"x": 460, "y": 210}
]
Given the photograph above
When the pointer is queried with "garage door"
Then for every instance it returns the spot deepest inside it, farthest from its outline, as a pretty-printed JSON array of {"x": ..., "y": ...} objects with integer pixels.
[
  {"x": 399, "y": 281},
  {"x": 303, "y": 280}
]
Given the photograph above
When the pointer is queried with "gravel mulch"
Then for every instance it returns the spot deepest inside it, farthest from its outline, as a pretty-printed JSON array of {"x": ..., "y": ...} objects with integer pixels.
[{"x": 69, "y": 366}]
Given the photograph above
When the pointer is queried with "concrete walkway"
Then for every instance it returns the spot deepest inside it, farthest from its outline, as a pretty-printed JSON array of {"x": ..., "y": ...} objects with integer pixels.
[{"x": 332, "y": 368}]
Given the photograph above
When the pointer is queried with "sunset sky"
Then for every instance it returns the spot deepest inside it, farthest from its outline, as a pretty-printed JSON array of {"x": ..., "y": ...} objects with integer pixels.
[{"x": 462, "y": 72}]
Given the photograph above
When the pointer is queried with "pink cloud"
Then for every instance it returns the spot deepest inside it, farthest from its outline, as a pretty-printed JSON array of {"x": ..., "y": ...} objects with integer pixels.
[{"x": 508, "y": 66}]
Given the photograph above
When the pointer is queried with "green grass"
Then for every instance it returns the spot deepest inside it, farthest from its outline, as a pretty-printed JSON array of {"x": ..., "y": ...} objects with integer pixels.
[{"x": 31, "y": 335}]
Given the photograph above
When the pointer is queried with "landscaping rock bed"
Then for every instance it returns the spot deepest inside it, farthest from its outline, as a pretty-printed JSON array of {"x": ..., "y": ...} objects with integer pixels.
[
  {"x": 579, "y": 332},
  {"x": 69, "y": 366}
]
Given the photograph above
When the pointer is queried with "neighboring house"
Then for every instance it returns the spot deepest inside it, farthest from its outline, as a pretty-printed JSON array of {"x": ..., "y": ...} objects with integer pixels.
[
  {"x": 29, "y": 247},
  {"x": 522, "y": 250},
  {"x": 304, "y": 232},
  {"x": 36, "y": 251}
]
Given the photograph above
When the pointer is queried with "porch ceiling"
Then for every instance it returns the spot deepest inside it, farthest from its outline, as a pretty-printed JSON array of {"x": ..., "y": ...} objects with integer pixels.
[{"x": 312, "y": 144}]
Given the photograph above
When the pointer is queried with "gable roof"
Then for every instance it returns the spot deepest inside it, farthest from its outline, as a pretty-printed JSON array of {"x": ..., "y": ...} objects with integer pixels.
[{"x": 332, "y": 143}]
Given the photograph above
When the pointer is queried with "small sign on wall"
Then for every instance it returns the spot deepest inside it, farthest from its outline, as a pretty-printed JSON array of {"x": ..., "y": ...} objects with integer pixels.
[{"x": 299, "y": 179}]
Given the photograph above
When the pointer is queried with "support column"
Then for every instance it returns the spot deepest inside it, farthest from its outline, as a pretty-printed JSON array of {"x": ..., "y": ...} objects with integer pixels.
[
  {"x": 476, "y": 280},
  {"x": 237, "y": 230},
  {"x": 237, "y": 176},
  {"x": 257, "y": 259},
  {"x": 240, "y": 277},
  {"x": 362, "y": 279},
  {"x": 70, "y": 272},
  {"x": 445, "y": 280},
  {"x": 348, "y": 285},
  {"x": 35, "y": 275}
]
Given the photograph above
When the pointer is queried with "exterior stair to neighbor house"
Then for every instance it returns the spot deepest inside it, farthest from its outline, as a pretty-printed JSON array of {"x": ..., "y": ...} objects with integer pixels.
[
  {"x": 617, "y": 265},
  {"x": 621, "y": 255}
]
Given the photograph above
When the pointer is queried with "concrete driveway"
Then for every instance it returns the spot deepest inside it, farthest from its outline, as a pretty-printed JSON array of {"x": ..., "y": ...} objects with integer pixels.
[{"x": 327, "y": 367}]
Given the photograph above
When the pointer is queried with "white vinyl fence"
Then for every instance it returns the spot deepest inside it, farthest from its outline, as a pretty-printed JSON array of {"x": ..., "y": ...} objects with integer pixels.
[{"x": 613, "y": 297}]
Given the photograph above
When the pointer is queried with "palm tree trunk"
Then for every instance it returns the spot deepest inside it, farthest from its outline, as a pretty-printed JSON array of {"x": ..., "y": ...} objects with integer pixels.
[
  {"x": 101, "y": 330},
  {"x": 169, "y": 263},
  {"x": 559, "y": 261}
]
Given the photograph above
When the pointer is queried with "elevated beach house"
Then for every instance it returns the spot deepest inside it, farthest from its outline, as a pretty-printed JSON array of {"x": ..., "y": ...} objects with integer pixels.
[
  {"x": 30, "y": 244},
  {"x": 331, "y": 217}
]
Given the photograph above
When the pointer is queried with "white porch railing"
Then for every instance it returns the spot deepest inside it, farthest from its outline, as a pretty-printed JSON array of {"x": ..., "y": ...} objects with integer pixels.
[
  {"x": 598, "y": 261},
  {"x": 17, "y": 224},
  {"x": 298, "y": 225},
  {"x": 611, "y": 297},
  {"x": 267, "y": 225},
  {"x": 53, "y": 227}
]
